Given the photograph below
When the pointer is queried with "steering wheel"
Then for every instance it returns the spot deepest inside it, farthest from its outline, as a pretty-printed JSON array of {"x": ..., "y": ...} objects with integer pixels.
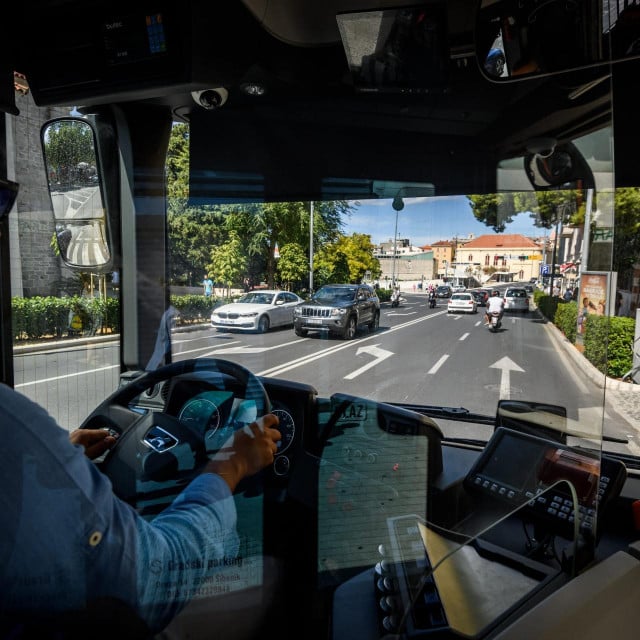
[{"x": 156, "y": 455}]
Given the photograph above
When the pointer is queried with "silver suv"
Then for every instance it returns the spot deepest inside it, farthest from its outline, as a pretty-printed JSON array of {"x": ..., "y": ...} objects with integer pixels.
[
  {"x": 338, "y": 309},
  {"x": 516, "y": 299}
]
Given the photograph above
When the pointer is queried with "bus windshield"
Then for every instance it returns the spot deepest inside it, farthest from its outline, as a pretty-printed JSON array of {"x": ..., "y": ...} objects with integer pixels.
[{"x": 350, "y": 303}]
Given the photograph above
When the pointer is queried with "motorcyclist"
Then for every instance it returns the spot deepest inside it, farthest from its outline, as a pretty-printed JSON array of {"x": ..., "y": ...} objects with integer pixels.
[
  {"x": 395, "y": 297},
  {"x": 495, "y": 303},
  {"x": 432, "y": 298}
]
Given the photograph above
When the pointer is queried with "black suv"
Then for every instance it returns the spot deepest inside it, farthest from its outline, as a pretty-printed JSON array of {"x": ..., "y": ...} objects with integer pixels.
[
  {"x": 444, "y": 291},
  {"x": 338, "y": 309}
]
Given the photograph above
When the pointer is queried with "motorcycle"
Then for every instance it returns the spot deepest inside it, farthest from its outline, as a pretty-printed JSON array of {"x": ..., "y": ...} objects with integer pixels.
[
  {"x": 494, "y": 321},
  {"x": 395, "y": 300},
  {"x": 432, "y": 302}
]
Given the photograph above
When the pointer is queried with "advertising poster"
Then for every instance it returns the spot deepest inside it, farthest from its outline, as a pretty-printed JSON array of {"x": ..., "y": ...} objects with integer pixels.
[{"x": 594, "y": 296}]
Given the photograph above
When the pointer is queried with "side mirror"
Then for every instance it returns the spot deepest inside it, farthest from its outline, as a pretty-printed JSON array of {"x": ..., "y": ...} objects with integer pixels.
[{"x": 73, "y": 176}]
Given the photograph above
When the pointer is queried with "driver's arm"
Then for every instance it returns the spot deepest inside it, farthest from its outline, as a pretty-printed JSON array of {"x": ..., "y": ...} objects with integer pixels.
[{"x": 72, "y": 541}]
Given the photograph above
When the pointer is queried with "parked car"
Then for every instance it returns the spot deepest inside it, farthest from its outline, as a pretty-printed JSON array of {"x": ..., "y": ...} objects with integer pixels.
[
  {"x": 516, "y": 299},
  {"x": 257, "y": 311},
  {"x": 338, "y": 309},
  {"x": 443, "y": 291},
  {"x": 462, "y": 302}
]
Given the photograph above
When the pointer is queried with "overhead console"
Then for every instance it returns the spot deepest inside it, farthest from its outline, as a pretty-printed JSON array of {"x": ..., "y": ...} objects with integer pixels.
[{"x": 122, "y": 51}]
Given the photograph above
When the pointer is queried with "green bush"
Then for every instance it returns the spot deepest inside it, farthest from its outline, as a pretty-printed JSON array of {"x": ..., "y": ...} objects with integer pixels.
[
  {"x": 566, "y": 319},
  {"x": 193, "y": 308},
  {"x": 52, "y": 317},
  {"x": 608, "y": 344},
  {"x": 547, "y": 304}
]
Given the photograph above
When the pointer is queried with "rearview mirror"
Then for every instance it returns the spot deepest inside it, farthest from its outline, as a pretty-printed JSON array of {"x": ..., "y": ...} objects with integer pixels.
[
  {"x": 73, "y": 177},
  {"x": 522, "y": 38}
]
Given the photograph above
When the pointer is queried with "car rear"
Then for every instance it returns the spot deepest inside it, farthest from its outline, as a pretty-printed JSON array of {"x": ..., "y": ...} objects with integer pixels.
[
  {"x": 462, "y": 303},
  {"x": 516, "y": 299}
]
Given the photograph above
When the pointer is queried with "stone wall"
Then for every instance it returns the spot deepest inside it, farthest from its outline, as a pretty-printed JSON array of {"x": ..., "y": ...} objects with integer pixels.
[{"x": 35, "y": 269}]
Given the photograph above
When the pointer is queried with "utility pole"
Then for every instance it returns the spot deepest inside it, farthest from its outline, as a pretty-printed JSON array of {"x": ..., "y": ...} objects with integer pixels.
[{"x": 398, "y": 205}]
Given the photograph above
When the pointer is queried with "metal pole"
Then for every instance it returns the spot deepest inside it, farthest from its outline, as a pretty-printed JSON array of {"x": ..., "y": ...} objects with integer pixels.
[
  {"x": 395, "y": 250},
  {"x": 398, "y": 205},
  {"x": 311, "y": 247}
]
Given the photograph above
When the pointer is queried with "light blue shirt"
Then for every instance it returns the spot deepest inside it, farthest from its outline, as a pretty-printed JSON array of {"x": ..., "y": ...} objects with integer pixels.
[{"x": 66, "y": 539}]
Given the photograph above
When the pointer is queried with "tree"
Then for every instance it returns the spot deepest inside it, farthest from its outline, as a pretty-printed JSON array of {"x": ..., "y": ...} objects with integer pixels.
[
  {"x": 346, "y": 260},
  {"x": 228, "y": 262},
  {"x": 66, "y": 147},
  {"x": 191, "y": 234},
  {"x": 497, "y": 210},
  {"x": 293, "y": 264}
]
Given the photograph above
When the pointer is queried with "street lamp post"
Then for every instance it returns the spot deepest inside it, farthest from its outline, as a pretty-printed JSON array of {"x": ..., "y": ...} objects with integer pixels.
[{"x": 398, "y": 205}]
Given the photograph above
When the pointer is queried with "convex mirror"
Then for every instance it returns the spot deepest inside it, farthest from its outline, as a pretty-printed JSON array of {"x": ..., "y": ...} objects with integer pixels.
[{"x": 73, "y": 178}]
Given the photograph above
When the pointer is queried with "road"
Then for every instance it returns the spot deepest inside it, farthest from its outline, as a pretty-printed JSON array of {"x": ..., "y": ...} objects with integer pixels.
[{"x": 419, "y": 355}]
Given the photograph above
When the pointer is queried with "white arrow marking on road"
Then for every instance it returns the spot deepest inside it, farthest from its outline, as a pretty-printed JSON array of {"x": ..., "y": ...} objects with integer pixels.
[
  {"x": 380, "y": 355},
  {"x": 506, "y": 365}
]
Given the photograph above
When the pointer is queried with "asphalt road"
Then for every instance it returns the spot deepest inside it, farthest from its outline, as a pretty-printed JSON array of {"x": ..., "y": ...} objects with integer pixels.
[{"x": 419, "y": 355}]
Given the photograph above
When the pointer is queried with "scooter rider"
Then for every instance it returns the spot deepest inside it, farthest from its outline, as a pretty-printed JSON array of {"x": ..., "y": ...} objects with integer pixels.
[
  {"x": 495, "y": 303},
  {"x": 432, "y": 298},
  {"x": 395, "y": 296}
]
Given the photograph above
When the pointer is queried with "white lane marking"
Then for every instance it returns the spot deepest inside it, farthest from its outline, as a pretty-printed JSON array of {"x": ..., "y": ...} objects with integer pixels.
[
  {"x": 438, "y": 364},
  {"x": 67, "y": 375},
  {"x": 464, "y": 336}
]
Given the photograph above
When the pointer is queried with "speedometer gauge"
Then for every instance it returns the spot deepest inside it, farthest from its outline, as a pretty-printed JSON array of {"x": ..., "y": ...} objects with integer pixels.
[
  {"x": 286, "y": 427},
  {"x": 200, "y": 414}
]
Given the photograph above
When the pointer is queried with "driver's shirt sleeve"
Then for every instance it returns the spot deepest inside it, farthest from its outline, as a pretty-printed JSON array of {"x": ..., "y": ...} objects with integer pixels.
[{"x": 67, "y": 540}]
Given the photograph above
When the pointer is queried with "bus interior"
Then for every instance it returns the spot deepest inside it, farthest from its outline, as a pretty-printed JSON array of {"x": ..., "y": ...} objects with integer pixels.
[{"x": 410, "y": 499}]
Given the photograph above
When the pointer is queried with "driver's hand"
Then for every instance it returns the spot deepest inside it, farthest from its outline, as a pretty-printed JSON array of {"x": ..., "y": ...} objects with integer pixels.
[
  {"x": 94, "y": 441},
  {"x": 247, "y": 451}
]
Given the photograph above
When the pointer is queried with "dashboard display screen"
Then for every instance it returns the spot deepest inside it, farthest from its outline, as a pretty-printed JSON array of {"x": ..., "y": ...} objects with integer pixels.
[{"x": 524, "y": 465}]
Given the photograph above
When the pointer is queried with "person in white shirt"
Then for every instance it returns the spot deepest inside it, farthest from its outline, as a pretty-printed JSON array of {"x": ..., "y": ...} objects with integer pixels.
[{"x": 495, "y": 303}]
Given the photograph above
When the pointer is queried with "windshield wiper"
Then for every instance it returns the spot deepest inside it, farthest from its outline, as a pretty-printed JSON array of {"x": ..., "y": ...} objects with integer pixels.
[
  {"x": 464, "y": 415},
  {"x": 447, "y": 413}
]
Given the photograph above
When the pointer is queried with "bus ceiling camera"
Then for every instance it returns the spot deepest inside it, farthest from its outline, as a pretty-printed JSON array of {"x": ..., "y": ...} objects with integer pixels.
[{"x": 210, "y": 98}]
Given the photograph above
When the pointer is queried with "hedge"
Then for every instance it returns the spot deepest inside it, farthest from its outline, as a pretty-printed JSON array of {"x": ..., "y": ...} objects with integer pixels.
[
  {"x": 608, "y": 341},
  {"x": 41, "y": 318}
]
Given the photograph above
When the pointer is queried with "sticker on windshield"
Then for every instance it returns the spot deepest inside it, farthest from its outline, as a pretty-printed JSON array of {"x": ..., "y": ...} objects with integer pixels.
[{"x": 353, "y": 412}]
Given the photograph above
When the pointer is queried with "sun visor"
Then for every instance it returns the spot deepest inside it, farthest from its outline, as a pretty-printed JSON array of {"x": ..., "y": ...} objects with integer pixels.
[{"x": 245, "y": 157}]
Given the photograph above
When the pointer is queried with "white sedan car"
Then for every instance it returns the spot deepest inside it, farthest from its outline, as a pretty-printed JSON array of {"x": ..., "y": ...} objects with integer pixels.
[
  {"x": 257, "y": 311},
  {"x": 462, "y": 302}
]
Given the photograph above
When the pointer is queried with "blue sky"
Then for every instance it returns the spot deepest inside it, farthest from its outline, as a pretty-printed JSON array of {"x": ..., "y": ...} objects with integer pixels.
[{"x": 427, "y": 220}]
